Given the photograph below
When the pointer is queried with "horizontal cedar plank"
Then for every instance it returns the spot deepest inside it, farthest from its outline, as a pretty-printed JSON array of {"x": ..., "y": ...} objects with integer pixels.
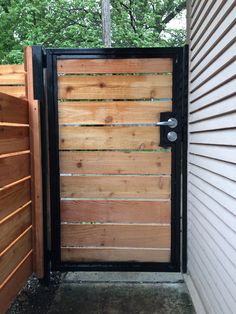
[
  {"x": 114, "y": 87},
  {"x": 150, "y": 65},
  {"x": 12, "y": 227},
  {"x": 13, "y": 139},
  {"x": 14, "y": 168},
  {"x": 11, "y": 257},
  {"x": 16, "y": 91},
  {"x": 96, "y": 254},
  {"x": 112, "y": 112},
  {"x": 116, "y": 211},
  {"x": 115, "y": 186},
  {"x": 96, "y": 162},
  {"x": 12, "y": 69},
  {"x": 117, "y": 137},
  {"x": 12, "y": 78},
  {"x": 15, "y": 283},
  {"x": 129, "y": 235},
  {"x": 14, "y": 197},
  {"x": 13, "y": 110}
]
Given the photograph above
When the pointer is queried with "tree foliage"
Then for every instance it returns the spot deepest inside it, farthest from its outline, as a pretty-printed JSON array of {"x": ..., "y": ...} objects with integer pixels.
[{"x": 78, "y": 23}]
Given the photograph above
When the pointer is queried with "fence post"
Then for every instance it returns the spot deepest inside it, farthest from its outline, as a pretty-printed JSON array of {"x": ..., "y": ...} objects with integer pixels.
[{"x": 36, "y": 179}]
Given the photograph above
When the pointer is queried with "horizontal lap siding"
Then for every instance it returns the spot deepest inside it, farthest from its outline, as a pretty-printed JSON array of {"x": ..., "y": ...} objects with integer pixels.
[
  {"x": 15, "y": 194},
  {"x": 211, "y": 155}
]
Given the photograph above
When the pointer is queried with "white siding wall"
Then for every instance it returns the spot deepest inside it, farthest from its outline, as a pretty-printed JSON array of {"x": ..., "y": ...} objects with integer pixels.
[{"x": 212, "y": 154}]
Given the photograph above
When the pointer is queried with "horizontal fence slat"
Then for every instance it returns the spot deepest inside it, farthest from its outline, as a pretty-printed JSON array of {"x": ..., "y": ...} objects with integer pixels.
[
  {"x": 154, "y": 236},
  {"x": 117, "y": 137},
  {"x": 15, "y": 254},
  {"x": 115, "y": 186},
  {"x": 12, "y": 228},
  {"x": 16, "y": 91},
  {"x": 115, "y": 255},
  {"x": 115, "y": 162},
  {"x": 115, "y": 87},
  {"x": 116, "y": 211},
  {"x": 15, "y": 282},
  {"x": 13, "y": 110},
  {"x": 112, "y": 112},
  {"x": 12, "y": 78},
  {"x": 131, "y": 65},
  {"x": 12, "y": 68},
  {"x": 14, "y": 168},
  {"x": 13, "y": 139},
  {"x": 14, "y": 197}
]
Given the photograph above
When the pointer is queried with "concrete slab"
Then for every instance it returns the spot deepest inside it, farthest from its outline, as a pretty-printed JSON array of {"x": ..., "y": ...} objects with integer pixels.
[
  {"x": 120, "y": 298},
  {"x": 127, "y": 277}
]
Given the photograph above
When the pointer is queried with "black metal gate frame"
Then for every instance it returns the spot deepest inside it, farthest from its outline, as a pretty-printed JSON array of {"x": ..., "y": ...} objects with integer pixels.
[{"x": 178, "y": 155}]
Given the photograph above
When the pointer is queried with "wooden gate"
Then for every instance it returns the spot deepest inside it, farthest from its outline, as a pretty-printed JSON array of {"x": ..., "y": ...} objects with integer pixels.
[{"x": 114, "y": 187}]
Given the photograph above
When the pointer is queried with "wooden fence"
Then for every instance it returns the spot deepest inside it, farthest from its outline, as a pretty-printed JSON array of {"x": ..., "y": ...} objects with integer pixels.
[
  {"x": 12, "y": 80},
  {"x": 16, "y": 245},
  {"x": 20, "y": 181}
]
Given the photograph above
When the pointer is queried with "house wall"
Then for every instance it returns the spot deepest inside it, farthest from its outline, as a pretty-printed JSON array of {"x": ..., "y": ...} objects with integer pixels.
[{"x": 211, "y": 275}]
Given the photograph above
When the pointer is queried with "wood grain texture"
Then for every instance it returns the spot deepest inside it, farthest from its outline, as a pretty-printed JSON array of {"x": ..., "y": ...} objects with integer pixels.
[
  {"x": 118, "y": 235},
  {"x": 13, "y": 139},
  {"x": 14, "y": 168},
  {"x": 117, "y": 137},
  {"x": 150, "y": 65},
  {"x": 116, "y": 187},
  {"x": 97, "y": 162},
  {"x": 12, "y": 228},
  {"x": 36, "y": 165},
  {"x": 14, "y": 197},
  {"x": 96, "y": 254},
  {"x": 13, "y": 110},
  {"x": 16, "y": 91},
  {"x": 116, "y": 211},
  {"x": 120, "y": 112},
  {"x": 11, "y": 257},
  {"x": 114, "y": 87},
  {"x": 15, "y": 282}
]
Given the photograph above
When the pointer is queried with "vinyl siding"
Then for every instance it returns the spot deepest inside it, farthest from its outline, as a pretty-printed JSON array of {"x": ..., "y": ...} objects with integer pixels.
[{"x": 212, "y": 154}]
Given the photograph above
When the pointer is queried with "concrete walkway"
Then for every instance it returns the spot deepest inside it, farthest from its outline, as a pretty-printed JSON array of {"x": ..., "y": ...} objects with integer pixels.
[{"x": 110, "y": 293}]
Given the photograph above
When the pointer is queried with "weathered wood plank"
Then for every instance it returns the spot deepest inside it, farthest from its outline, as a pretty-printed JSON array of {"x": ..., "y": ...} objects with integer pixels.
[
  {"x": 14, "y": 197},
  {"x": 14, "y": 168},
  {"x": 12, "y": 227},
  {"x": 11, "y": 257},
  {"x": 13, "y": 110},
  {"x": 13, "y": 139},
  {"x": 112, "y": 112},
  {"x": 96, "y": 254},
  {"x": 118, "y": 235},
  {"x": 115, "y": 87},
  {"x": 15, "y": 282},
  {"x": 131, "y": 65},
  {"x": 116, "y": 186},
  {"x": 117, "y": 137},
  {"x": 95, "y": 162},
  {"x": 16, "y": 91},
  {"x": 116, "y": 211}
]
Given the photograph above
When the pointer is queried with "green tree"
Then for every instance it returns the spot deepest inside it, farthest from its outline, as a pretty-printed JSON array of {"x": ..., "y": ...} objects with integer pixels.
[{"x": 78, "y": 23}]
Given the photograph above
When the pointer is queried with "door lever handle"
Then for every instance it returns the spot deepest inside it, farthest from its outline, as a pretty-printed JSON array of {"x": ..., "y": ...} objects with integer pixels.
[{"x": 171, "y": 123}]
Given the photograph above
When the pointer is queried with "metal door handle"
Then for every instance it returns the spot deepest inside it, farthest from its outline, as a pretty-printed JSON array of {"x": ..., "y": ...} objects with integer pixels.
[{"x": 171, "y": 123}]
